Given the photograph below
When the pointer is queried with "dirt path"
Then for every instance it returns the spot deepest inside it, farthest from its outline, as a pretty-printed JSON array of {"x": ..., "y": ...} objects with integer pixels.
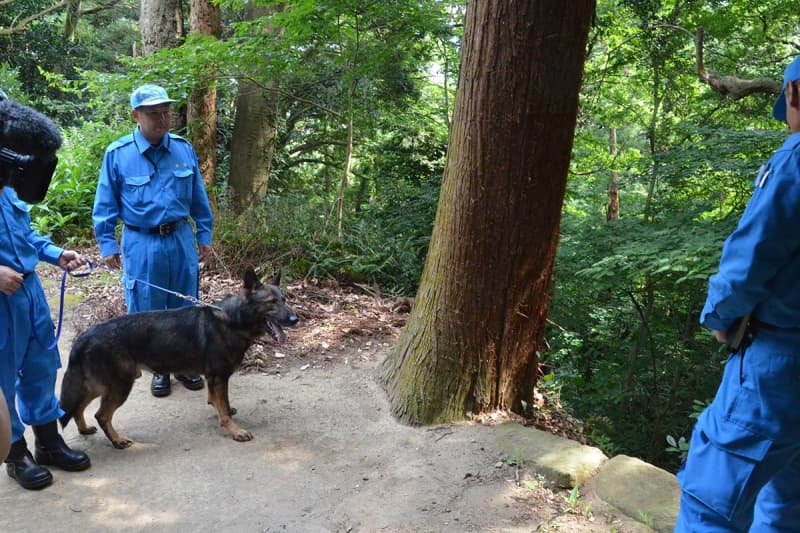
[{"x": 327, "y": 456}]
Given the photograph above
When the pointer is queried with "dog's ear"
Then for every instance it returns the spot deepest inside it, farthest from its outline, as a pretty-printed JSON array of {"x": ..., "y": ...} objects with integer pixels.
[
  {"x": 251, "y": 281},
  {"x": 276, "y": 279}
]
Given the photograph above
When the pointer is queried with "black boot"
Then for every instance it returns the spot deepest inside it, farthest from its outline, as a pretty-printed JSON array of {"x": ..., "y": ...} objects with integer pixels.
[
  {"x": 160, "y": 386},
  {"x": 51, "y": 450},
  {"x": 21, "y": 467}
]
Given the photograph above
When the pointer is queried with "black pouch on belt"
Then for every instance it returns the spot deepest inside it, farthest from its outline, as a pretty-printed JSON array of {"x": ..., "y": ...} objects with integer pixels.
[{"x": 740, "y": 334}]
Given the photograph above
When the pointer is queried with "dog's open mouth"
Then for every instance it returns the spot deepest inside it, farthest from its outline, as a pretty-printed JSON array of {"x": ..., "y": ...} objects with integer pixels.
[{"x": 276, "y": 332}]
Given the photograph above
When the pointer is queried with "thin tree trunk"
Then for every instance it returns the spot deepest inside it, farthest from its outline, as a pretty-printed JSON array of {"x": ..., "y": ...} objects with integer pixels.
[
  {"x": 71, "y": 19},
  {"x": 612, "y": 212},
  {"x": 347, "y": 162},
  {"x": 651, "y": 134},
  {"x": 201, "y": 111}
]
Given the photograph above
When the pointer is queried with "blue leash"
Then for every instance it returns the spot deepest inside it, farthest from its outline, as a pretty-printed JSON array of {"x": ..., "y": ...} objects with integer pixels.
[{"x": 60, "y": 307}]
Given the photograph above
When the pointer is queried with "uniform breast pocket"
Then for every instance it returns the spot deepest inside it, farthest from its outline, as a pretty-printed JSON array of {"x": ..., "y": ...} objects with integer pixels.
[
  {"x": 136, "y": 189},
  {"x": 183, "y": 184}
]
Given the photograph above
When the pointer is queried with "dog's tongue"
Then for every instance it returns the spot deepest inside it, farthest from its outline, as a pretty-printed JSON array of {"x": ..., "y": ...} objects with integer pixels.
[{"x": 279, "y": 335}]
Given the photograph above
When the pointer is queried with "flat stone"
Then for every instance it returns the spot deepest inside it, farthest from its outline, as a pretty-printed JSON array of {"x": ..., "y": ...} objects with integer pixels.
[
  {"x": 563, "y": 462},
  {"x": 640, "y": 490}
]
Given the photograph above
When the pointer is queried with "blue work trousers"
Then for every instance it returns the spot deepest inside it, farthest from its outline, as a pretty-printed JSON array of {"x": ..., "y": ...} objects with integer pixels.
[
  {"x": 27, "y": 367},
  {"x": 155, "y": 262},
  {"x": 742, "y": 472}
]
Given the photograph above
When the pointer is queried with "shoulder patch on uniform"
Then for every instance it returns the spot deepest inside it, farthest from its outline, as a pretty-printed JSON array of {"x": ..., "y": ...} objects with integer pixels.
[
  {"x": 119, "y": 143},
  {"x": 176, "y": 137}
]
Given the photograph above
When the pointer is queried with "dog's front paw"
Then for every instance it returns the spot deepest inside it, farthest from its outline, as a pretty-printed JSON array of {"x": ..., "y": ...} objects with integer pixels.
[
  {"x": 122, "y": 443},
  {"x": 88, "y": 430},
  {"x": 242, "y": 436}
]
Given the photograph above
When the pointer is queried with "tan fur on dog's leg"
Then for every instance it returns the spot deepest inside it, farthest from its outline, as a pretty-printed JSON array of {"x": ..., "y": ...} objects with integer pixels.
[
  {"x": 218, "y": 390},
  {"x": 103, "y": 415},
  {"x": 80, "y": 420}
]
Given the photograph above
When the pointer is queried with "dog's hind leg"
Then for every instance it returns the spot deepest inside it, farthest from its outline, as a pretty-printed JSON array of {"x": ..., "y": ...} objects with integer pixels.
[
  {"x": 218, "y": 396},
  {"x": 108, "y": 405},
  {"x": 80, "y": 420}
]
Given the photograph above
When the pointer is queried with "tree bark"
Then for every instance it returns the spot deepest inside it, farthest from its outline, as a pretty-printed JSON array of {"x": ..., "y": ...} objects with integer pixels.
[
  {"x": 254, "y": 132},
  {"x": 479, "y": 317},
  {"x": 159, "y": 25},
  {"x": 201, "y": 112}
]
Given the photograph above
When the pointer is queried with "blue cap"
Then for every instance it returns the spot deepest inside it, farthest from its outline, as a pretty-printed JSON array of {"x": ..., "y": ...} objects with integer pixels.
[
  {"x": 149, "y": 95},
  {"x": 792, "y": 73}
]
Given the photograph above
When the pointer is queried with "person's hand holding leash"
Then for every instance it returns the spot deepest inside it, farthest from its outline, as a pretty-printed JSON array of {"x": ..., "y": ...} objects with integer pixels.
[
  {"x": 10, "y": 280},
  {"x": 70, "y": 260}
]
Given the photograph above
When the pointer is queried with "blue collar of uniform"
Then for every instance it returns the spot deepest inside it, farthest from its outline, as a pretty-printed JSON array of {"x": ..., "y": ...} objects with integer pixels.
[
  {"x": 791, "y": 141},
  {"x": 143, "y": 144}
]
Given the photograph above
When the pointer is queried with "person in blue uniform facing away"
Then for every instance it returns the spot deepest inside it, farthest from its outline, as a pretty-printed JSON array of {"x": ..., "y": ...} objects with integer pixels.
[
  {"x": 29, "y": 357},
  {"x": 742, "y": 472},
  {"x": 150, "y": 180}
]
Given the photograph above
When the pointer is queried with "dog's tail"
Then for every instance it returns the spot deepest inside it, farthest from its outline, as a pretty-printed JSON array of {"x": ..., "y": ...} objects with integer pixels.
[{"x": 72, "y": 384}]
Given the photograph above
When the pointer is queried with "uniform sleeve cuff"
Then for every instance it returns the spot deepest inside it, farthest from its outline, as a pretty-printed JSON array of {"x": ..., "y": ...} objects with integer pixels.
[{"x": 51, "y": 253}]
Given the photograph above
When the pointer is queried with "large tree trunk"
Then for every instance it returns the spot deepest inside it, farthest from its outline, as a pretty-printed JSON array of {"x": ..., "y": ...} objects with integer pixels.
[
  {"x": 160, "y": 25},
  {"x": 478, "y": 320},
  {"x": 254, "y": 132},
  {"x": 201, "y": 111}
]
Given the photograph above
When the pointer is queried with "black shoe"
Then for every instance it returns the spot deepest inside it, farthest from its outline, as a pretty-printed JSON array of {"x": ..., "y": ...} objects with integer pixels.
[
  {"x": 51, "y": 450},
  {"x": 191, "y": 382},
  {"x": 21, "y": 467},
  {"x": 160, "y": 385}
]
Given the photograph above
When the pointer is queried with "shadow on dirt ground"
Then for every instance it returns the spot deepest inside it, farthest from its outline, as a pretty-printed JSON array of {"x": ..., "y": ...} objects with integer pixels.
[{"x": 327, "y": 454}]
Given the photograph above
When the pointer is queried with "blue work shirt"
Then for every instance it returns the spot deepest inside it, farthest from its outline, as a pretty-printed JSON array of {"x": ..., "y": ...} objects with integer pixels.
[
  {"x": 760, "y": 265},
  {"x": 146, "y": 186},
  {"x": 21, "y": 248}
]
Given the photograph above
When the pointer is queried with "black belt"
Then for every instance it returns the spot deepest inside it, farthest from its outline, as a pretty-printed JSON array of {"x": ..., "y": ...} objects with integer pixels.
[
  {"x": 758, "y": 324},
  {"x": 162, "y": 229}
]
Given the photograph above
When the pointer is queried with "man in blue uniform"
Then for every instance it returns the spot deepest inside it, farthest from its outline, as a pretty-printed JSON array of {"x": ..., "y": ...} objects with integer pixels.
[
  {"x": 150, "y": 180},
  {"x": 743, "y": 468},
  {"x": 29, "y": 358}
]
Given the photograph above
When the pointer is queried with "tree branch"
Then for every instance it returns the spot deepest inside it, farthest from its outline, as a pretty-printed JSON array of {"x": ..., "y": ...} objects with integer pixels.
[
  {"x": 292, "y": 96},
  {"x": 310, "y": 146},
  {"x": 732, "y": 86},
  {"x": 102, "y": 7},
  {"x": 22, "y": 25}
]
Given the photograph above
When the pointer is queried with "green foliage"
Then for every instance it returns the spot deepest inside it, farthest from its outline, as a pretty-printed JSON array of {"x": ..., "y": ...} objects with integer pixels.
[
  {"x": 66, "y": 212},
  {"x": 628, "y": 352},
  {"x": 299, "y": 237}
]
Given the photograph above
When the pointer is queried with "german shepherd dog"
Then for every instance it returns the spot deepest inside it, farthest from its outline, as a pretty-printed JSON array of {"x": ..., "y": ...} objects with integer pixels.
[{"x": 211, "y": 340}]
